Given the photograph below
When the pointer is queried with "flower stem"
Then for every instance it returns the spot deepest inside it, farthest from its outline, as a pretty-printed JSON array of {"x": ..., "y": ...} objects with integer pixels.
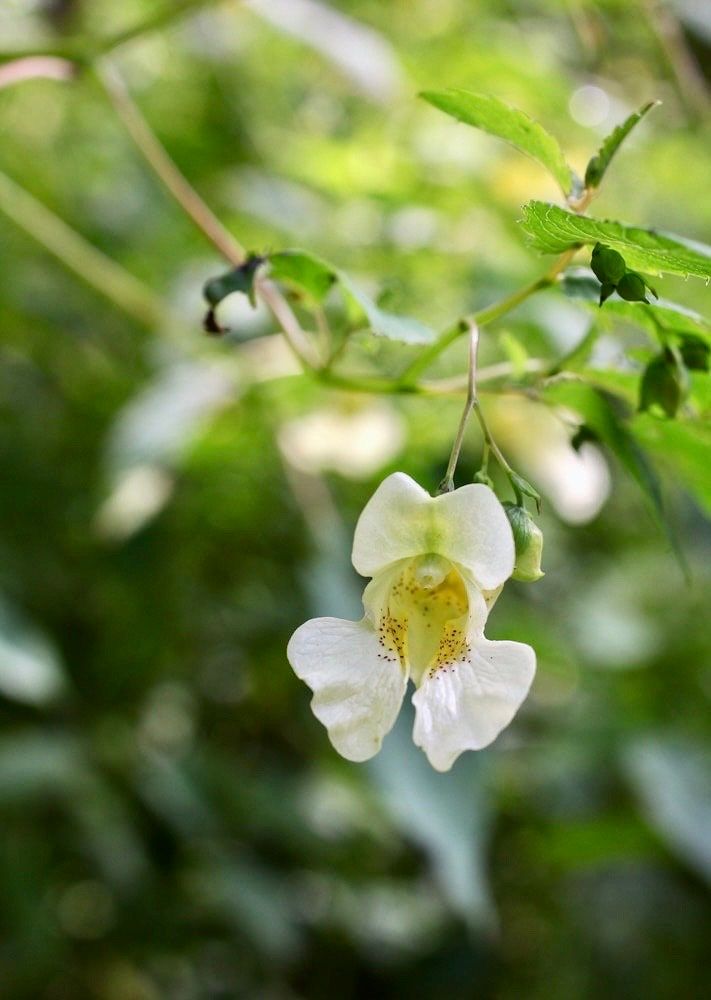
[
  {"x": 164, "y": 167},
  {"x": 197, "y": 210},
  {"x": 447, "y": 484},
  {"x": 485, "y": 316}
]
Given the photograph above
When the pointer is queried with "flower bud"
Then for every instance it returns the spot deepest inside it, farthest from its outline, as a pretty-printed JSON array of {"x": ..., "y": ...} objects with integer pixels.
[
  {"x": 665, "y": 383},
  {"x": 632, "y": 288},
  {"x": 695, "y": 353},
  {"x": 607, "y": 265},
  {"x": 528, "y": 539}
]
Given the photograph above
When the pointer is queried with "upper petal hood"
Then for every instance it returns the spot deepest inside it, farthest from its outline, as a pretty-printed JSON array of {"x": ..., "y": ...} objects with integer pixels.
[{"x": 468, "y": 526}]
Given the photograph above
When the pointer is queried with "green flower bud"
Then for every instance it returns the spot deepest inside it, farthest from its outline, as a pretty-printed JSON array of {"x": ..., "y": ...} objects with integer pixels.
[
  {"x": 528, "y": 539},
  {"x": 607, "y": 265},
  {"x": 695, "y": 353},
  {"x": 606, "y": 290},
  {"x": 632, "y": 287},
  {"x": 665, "y": 383}
]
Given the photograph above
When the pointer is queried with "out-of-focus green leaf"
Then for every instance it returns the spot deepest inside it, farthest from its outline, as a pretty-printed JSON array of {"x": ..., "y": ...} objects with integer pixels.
[
  {"x": 305, "y": 270},
  {"x": 684, "y": 447},
  {"x": 515, "y": 352},
  {"x": 601, "y": 414},
  {"x": 30, "y": 670},
  {"x": 35, "y": 764},
  {"x": 552, "y": 229},
  {"x": 386, "y": 324},
  {"x": 315, "y": 276},
  {"x": 673, "y": 780},
  {"x": 588, "y": 842},
  {"x": 599, "y": 163},
  {"x": 513, "y": 126},
  {"x": 254, "y": 900},
  {"x": 447, "y": 815}
]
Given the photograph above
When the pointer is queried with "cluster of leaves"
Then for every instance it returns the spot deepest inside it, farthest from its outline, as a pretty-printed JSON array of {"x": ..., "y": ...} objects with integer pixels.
[{"x": 664, "y": 383}]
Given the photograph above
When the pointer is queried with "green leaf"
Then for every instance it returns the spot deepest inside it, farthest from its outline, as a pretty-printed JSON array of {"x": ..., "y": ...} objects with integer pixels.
[
  {"x": 385, "y": 324},
  {"x": 306, "y": 270},
  {"x": 515, "y": 352},
  {"x": 599, "y": 163},
  {"x": 30, "y": 670},
  {"x": 513, "y": 126},
  {"x": 316, "y": 276},
  {"x": 683, "y": 447},
  {"x": 447, "y": 815},
  {"x": 552, "y": 229},
  {"x": 673, "y": 781}
]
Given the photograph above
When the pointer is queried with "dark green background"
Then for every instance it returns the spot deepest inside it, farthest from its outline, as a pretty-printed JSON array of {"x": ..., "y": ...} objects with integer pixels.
[{"x": 173, "y": 820}]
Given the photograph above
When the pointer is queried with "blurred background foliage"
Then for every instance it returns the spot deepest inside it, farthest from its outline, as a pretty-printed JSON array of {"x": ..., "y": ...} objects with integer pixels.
[{"x": 174, "y": 822}]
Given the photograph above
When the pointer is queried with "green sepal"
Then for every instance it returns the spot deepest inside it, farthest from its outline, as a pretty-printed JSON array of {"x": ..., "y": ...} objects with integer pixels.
[{"x": 523, "y": 487}]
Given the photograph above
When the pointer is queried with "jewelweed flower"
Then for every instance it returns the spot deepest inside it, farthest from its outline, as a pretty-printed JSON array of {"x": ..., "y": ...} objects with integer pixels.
[{"x": 437, "y": 565}]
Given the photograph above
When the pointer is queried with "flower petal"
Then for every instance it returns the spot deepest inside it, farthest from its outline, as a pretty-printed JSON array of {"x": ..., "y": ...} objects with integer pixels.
[
  {"x": 468, "y": 526},
  {"x": 358, "y": 685},
  {"x": 392, "y": 525},
  {"x": 465, "y": 706}
]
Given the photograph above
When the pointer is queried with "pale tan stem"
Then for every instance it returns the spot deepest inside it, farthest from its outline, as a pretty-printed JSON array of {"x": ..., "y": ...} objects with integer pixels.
[{"x": 164, "y": 167}]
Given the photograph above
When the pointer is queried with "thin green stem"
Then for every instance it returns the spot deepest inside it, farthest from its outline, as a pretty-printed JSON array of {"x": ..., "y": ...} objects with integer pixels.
[
  {"x": 481, "y": 318},
  {"x": 485, "y": 316},
  {"x": 489, "y": 439},
  {"x": 80, "y": 256},
  {"x": 447, "y": 484},
  {"x": 370, "y": 384}
]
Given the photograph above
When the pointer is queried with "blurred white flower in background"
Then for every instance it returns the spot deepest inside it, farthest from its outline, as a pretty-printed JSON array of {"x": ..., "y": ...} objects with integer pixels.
[
  {"x": 354, "y": 443},
  {"x": 577, "y": 483}
]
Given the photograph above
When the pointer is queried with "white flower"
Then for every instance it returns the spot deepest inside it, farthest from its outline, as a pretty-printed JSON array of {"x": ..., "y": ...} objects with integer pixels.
[{"x": 437, "y": 565}]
